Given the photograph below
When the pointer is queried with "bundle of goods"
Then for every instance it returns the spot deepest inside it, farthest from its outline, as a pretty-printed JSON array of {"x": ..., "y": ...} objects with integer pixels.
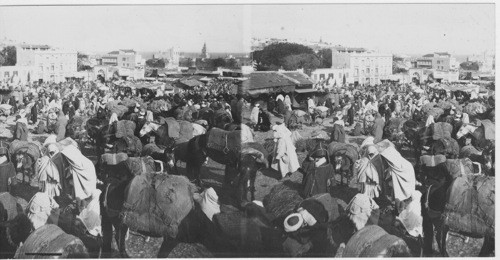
[
  {"x": 227, "y": 142},
  {"x": 321, "y": 111},
  {"x": 281, "y": 200},
  {"x": 449, "y": 104},
  {"x": 432, "y": 109},
  {"x": 51, "y": 240},
  {"x": 125, "y": 128},
  {"x": 348, "y": 150},
  {"x": 128, "y": 102},
  {"x": 5, "y": 109},
  {"x": 157, "y": 203},
  {"x": 116, "y": 107},
  {"x": 185, "y": 131},
  {"x": 459, "y": 167},
  {"x": 131, "y": 102},
  {"x": 471, "y": 206},
  {"x": 373, "y": 241},
  {"x": 157, "y": 106},
  {"x": 31, "y": 148},
  {"x": 474, "y": 108},
  {"x": 9, "y": 208}
]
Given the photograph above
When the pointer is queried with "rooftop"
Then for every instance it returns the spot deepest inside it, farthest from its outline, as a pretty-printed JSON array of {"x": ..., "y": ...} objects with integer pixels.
[
  {"x": 349, "y": 49},
  {"x": 35, "y": 46},
  {"x": 430, "y": 55},
  {"x": 298, "y": 77},
  {"x": 122, "y": 50},
  {"x": 272, "y": 79}
]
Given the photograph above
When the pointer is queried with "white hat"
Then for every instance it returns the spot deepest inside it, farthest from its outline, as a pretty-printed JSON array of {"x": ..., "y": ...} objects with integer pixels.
[
  {"x": 372, "y": 150},
  {"x": 289, "y": 224},
  {"x": 257, "y": 105}
]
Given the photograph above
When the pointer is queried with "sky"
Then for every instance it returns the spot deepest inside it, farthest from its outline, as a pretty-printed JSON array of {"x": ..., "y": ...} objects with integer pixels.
[
  {"x": 393, "y": 28},
  {"x": 107, "y": 28}
]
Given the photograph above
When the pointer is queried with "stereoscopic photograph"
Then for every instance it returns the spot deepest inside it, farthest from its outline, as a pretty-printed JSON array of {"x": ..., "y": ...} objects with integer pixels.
[{"x": 245, "y": 130}]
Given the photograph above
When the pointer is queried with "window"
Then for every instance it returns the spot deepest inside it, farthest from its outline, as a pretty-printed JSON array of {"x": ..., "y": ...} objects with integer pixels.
[
  {"x": 14, "y": 73},
  {"x": 376, "y": 70},
  {"x": 321, "y": 76},
  {"x": 124, "y": 59},
  {"x": 330, "y": 75},
  {"x": 367, "y": 70},
  {"x": 356, "y": 72},
  {"x": 6, "y": 74},
  {"x": 52, "y": 67},
  {"x": 61, "y": 67}
]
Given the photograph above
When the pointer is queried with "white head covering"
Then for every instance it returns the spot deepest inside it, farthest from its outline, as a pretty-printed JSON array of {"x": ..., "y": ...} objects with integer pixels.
[
  {"x": 430, "y": 120},
  {"x": 113, "y": 118},
  {"x": 149, "y": 116},
  {"x": 39, "y": 209},
  {"x": 308, "y": 217},
  {"x": 292, "y": 228},
  {"x": 411, "y": 216},
  {"x": 209, "y": 202},
  {"x": 368, "y": 141},
  {"x": 282, "y": 132},
  {"x": 465, "y": 118}
]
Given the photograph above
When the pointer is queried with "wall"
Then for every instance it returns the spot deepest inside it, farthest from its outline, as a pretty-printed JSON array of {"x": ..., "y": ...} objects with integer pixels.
[
  {"x": 24, "y": 74},
  {"x": 340, "y": 60}
]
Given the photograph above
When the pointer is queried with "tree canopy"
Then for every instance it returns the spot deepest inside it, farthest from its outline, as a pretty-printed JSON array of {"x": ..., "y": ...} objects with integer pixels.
[
  {"x": 155, "y": 63},
  {"x": 304, "y": 61},
  {"x": 469, "y": 65},
  {"x": 82, "y": 63},
  {"x": 325, "y": 58},
  {"x": 291, "y": 56},
  {"x": 8, "y": 56}
]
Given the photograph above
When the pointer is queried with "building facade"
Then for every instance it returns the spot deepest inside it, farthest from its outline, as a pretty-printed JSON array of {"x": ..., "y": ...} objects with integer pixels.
[
  {"x": 14, "y": 75},
  {"x": 332, "y": 77},
  {"x": 172, "y": 55},
  {"x": 127, "y": 64},
  {"x": 361, "y": 66},
  {"x": 441, "y": 61},
  {"x": 50, "y": 65},
  {"x": 423, "y": 75},
  {"x": 128, "y": 59}
]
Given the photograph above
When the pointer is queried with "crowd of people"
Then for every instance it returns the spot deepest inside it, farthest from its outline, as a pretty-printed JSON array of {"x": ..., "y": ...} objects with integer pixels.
[{"x": 386, "y": 180}]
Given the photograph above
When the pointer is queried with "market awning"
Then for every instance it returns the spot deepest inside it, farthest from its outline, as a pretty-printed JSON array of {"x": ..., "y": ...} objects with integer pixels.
[
  {"x": 285, "y": 89},
  {"x": 305, "y": 90}
]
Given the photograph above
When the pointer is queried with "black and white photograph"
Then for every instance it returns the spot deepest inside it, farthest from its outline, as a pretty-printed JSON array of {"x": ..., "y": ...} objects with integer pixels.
[{"x": 163, "y": 129}]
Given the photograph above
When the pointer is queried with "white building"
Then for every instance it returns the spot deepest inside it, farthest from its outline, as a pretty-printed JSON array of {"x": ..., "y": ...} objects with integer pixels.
[
  {"x": 50, "y": 65},
  {"x": 355, "y": 65},
  {"x": 129, "y": 59},
  {"x": 172, "y": 55},
  {"x": 422, "y": 75},
  {"x": 332, "y": 76},
  {"x": 364, "y": 67},
  {"x": 127, "y": 64},
  {"x": 14, "y": 75}
]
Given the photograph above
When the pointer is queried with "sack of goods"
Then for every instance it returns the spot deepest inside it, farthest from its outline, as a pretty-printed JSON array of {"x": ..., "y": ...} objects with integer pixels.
[
  {"x": 281, "y": 200},
  {"x": 52, "y": 242},
  {"x": 373, "y": 241},
  {"x": 156, "y": 204},
  {"x": 471, "y": 206}
]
